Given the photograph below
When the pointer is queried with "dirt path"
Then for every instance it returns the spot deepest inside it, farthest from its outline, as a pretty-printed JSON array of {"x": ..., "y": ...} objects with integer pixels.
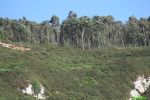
[{"x": 15, "y": 47}]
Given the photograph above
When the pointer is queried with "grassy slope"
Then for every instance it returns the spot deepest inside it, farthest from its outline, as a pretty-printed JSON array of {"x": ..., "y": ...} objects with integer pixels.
[{"x": 71, "y": 74}]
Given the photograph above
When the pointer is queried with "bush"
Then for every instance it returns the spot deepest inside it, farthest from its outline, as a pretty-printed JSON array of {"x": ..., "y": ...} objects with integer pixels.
[
  {"x": 139, "y": 98},
  {"x": 36, "y": 86}
]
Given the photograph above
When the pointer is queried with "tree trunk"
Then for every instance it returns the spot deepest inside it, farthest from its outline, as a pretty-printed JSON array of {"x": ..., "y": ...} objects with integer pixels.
[
  {"x": 98, "y": 38},
  {"x": 82, "y": 37},
  {"x": 89, "y": 44}
]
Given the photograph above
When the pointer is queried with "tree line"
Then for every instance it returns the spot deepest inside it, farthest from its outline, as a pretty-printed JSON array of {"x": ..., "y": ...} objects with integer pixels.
[{"x": 83, "y": 32}]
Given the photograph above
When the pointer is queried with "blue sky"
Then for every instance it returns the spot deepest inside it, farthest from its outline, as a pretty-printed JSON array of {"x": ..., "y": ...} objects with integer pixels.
[{"x": 40, "y": 10}]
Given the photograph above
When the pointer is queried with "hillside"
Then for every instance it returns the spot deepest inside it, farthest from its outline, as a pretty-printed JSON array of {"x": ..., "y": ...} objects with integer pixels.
[
  {"x": 73, "y": 74},
  {"x": 80, "y": 58}
]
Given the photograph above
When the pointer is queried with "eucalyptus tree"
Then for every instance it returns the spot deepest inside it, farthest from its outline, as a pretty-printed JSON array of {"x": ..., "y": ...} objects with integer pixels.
[
  {"x": 108, "y": 31},
  {"x": 72, "y": 15},
  {"x": 73, "y": 30},
  {"x": 69, "y": 30},
  {"x": 55, "y": 21},
  {"x": 3, "y": 34},
  {"x": 119, "y": 39},
  {"x": 85, "y": 24},
  {"x": 20, "y": 32},
  {"x": 132, "y": 31},
  {"x": 56, "y": 26},
  {"x": 144, "y": 27},
  {"x": 99, "y": 28}
]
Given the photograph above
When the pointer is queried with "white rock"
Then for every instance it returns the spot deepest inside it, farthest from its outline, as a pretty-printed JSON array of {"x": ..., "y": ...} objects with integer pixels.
[
  {"x": 134, "y": 93},
  {"x": 29, "y": 90},
  {"x": 130, "y": 98},
  {"x": 41, "y": 94},
  {"x": 140, "y": 86},
  {"x": 42, "y": 89},
  {"x": 147, "y": 85}
]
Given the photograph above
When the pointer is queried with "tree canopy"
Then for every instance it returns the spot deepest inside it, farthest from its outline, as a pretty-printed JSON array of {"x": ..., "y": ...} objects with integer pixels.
[{"x": 83, "y": 32}]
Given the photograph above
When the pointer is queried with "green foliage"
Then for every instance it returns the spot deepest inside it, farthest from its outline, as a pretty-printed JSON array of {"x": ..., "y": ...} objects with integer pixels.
[
  {"x": 36, "y": 86},
  {"x": 55, "y": 21},
  {"x": 3, "y": 34},
  {"x": 26, "y": 31},
  {"x": 84, "y": 32},
  {"x": 139, "y": 98},
  {"x": 70, "y": 73},
  {"x": 104, "y": 31}
]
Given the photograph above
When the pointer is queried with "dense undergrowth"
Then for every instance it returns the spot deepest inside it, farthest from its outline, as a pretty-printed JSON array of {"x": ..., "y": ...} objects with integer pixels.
[{"x": 73, "y": 74}]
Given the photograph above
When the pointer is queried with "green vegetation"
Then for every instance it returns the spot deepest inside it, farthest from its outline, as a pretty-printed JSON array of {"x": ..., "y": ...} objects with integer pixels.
[
  {"x": 82, "y": 32},
  {"x": 73, "y": 74},
  {"x": 36, "y": 86},
  {"x": 139, "y": 98},
  {"x": 82, "y": 58}
]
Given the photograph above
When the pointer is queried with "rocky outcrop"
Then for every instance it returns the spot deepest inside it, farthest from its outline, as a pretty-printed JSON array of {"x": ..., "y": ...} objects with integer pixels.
[
  {"x": 140, "y": 86},
  {"x": 29, "y": 90},
  {"x": 15, "y": 47}
]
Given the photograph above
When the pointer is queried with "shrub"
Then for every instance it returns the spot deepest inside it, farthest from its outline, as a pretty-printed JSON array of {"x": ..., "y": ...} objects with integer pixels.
[
  {"x": 36, "y": 86},
  {"x": 139, "y": 98}
]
